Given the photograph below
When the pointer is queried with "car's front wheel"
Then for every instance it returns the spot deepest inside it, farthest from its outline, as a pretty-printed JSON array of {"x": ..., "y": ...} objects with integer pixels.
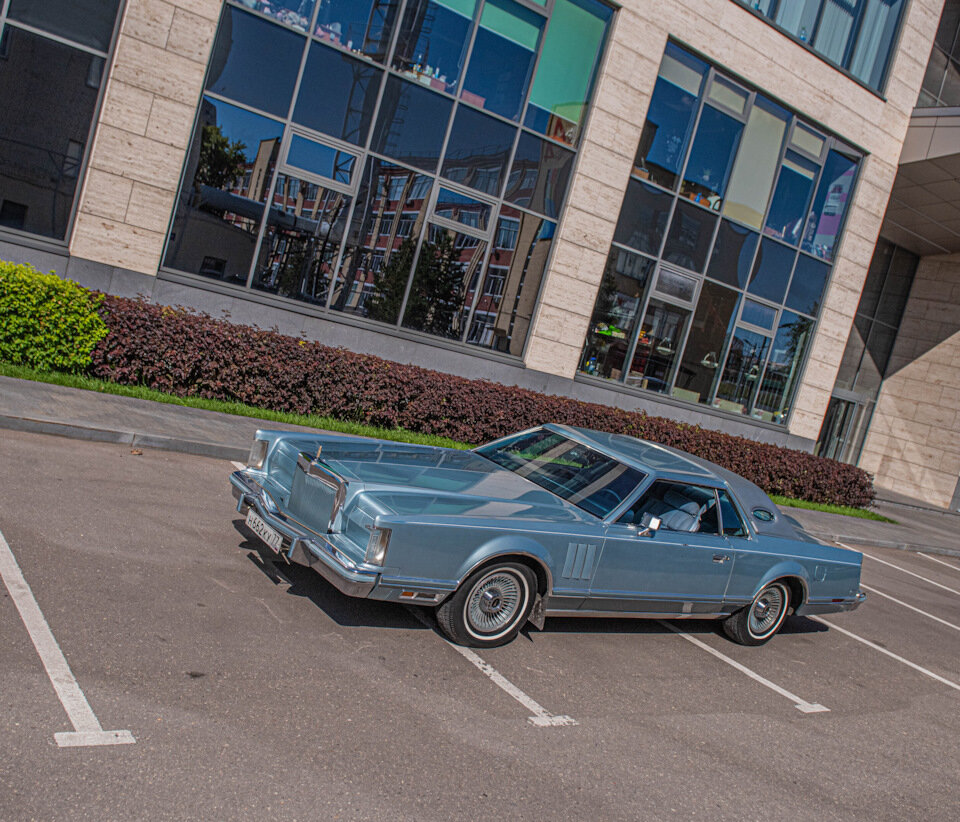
[
  {"x": 762, "y": 618},
  {"x": 490, "y": 607}
]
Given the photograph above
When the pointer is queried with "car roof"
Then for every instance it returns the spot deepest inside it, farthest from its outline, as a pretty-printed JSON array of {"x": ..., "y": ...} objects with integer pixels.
[{"x": 647, "y": 456}]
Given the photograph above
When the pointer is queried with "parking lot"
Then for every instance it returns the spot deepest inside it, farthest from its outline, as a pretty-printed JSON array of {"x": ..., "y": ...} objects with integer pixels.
[{"x": 251, "y": 692}]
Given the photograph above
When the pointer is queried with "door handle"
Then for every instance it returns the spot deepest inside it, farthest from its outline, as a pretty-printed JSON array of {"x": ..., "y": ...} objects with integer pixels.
[{"x": 720, "y": 558}]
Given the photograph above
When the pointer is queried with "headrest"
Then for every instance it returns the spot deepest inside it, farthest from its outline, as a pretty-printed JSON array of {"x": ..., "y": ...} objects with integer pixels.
[{"x": 679, "y": 502}]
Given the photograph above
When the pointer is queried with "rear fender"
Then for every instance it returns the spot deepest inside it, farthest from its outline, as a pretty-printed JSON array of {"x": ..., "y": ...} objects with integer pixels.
[{"x": 791, "y": 569}]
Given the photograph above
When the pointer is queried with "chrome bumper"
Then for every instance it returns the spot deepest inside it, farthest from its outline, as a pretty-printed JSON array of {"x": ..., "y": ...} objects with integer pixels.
[
  {"x": 306, "y": 548},
  {"x": 832, "y": 606}
]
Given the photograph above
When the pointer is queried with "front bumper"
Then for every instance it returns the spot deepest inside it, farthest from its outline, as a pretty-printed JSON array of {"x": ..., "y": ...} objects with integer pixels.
[
  {"x": 304, "y": 547},
  {"x": 832, "y": 606}
]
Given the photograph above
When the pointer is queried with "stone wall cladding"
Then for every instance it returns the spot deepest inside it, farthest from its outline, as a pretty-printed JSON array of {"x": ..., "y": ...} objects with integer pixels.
[
  {"x": 151, "y": 97},
  {"x": 744, "y": 45},
  {"x": 913, "y": 445}
]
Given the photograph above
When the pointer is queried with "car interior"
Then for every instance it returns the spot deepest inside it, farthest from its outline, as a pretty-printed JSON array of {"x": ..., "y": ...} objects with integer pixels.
[{"x": 680, "y": 508}]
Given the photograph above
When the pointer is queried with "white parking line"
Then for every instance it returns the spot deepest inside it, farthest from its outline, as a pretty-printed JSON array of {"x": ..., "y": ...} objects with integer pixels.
[
  {"x": 238, "y": 465},
  {"x": 800, "y": 704},
  {"x": 882, "y": 650},
  {"x": 901, "y": 568},
  {"x": 911, "y": 607},
  {"x": 542, "y": 718},
  {"x": 934, "y": 559},
  {"x": 87, "y": 728}
]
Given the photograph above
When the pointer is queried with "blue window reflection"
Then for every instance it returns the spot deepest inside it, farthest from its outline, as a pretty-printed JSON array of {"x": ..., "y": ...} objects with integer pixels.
[
  {"x": 539, "y": 175},
  {"x": 361, "y": 26},
  {"x": 806, "y": 288},
  {"x": 432, "y": 45},
  {"x": 643, "y": 217},
  {"x": 412, "y": 124},
  {"x": 320, "y": 159},
  {"x": 691, "y": 233},
  {"x": 829, "y": 205},
  {"x": 714, "y": 147},
  {"x": 788, "y": 209},
  {"x": 477, "y": 150},
  {"x": 294, "y": 13},
  {"x": 462, "y": 209},
  {"x": 255, "y": 62},
  {"x": 732, "y": 254},
  {"x": 771, "y": 271},
  {"x": 504, "y": 52}
]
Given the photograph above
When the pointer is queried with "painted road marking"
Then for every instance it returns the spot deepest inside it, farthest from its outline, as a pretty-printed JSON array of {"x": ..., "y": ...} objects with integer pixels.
[
  {"x": 901, "y": 568},
  {"x": 800, "y": 704},
  {"x": 882, "y": 650},
  {"x": 541, "y": 717},
  {"x": 934, "y": 559},
  {"x": 87, "y": 729},
  {"x": 911, "y": 607},
  {"x": 238, "y": 465}
]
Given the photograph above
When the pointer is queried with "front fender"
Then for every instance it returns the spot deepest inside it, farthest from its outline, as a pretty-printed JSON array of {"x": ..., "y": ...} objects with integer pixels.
[{"x": 502, "y": 546}]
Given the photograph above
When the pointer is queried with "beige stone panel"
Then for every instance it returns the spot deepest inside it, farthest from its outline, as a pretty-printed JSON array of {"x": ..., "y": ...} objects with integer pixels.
[
  {"x": 872, "y": 197},
  {"x": 149, "y": 207},
  {"x": 170, "y": 122},
  {"x": 205, "y": 8},
  {"x": 191, "y": 36},
  {"x": 113, "y": 243},
  {"x": 612, "y": 168},
  {"x": 951, "y": 395},
  {"x": 848, "y": 274},
  {"x": 942, "y": 374},
  {"x": 617, "y": 95},
  {"x": 870, "y": 461},
  {"x": 833, "y": 324},
  {"x": 607, "y": 199},
  {"x": 562, "y": 326},
  {"x": 612, "y": 135},
  {"x": 552, "y": 357},
  {"x": 580, "y": 263},
  {"x": 805, "y": 423},
  {"x": 950, "y": 464},
  {"x": 570, "y": 294},
  {"x": 148, "y": 20},
  {"x": 105, "y": 195},
  {"x": 126, "y": 107},
  {"x": 137, "y": 158},
  {"x": 855, "y": 247},
  {"x": 909, "y": 430},
  {"x": 843, "y": 300},
  {"x": 587, "y": 229},
  {"x": 157, "y": 70},
  {"x": 945, "y": 440}
]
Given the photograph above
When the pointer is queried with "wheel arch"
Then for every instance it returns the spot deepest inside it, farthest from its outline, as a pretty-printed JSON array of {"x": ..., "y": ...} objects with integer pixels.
[{"x": 533, "y": 557}]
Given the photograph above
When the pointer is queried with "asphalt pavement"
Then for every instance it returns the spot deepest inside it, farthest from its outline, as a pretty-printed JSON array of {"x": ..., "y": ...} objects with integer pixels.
[
  {"x": 252, "y": 690},
  {"x": 51, "y": 409}
]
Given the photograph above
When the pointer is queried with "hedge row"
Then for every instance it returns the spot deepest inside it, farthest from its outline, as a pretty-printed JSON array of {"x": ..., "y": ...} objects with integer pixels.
[{"x": 189, "y": 354}]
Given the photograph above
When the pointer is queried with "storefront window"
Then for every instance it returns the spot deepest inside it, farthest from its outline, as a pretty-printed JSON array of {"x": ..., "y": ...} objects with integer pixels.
[
  {"x": 704, "y": 352},
  {"x": 432, "y": 46},
  {"x": 714, "y": 147},
  {"x": 690, "y": 235},
  {"x": 829, "y": 205},
  {"x": 658, "y": 346}
]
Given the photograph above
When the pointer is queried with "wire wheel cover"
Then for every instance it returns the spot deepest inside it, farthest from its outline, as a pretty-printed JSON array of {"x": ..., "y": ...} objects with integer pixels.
[
  {"x": 494, "y": 602},
  {"x": 766, "y": 610}
]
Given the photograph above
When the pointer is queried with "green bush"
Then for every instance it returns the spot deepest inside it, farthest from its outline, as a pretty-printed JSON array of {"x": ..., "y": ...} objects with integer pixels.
[{"x": 45, "y": 322}]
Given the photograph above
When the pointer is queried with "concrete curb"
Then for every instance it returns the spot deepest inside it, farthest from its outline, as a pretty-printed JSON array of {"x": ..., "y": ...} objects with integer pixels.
[
  {"x": 134, "y": 439},
  {"x": 882, "y": 543}
]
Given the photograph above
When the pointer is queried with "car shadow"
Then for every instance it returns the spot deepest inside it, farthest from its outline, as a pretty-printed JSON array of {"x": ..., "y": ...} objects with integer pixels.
[{"x": 304, "y": 582}]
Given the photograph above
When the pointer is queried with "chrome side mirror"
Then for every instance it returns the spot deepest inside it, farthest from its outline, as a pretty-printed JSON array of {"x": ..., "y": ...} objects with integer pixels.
[{"x": 650, "y": 526}]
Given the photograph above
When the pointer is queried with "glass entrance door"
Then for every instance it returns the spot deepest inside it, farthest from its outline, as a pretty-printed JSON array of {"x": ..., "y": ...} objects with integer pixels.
[{"x": 844, "y": 428}]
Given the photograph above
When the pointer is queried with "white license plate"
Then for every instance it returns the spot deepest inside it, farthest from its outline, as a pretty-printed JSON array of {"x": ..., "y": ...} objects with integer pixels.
[{"x": 264, "y": 531}]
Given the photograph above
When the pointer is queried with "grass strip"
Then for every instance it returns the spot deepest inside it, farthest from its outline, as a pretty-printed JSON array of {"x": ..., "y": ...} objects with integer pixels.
[
  {"x": 845, "y": 510},
  {"x": 236, "y": 408},
  {"x": 325, "y": 423}
]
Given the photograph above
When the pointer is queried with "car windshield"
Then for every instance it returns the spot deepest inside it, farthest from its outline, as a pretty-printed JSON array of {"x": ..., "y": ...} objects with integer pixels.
[{"x": 590, "y": 480}]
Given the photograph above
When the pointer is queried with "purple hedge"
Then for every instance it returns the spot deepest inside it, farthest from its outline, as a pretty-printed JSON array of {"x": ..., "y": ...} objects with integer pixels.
[{"x": 189, "y": 354}]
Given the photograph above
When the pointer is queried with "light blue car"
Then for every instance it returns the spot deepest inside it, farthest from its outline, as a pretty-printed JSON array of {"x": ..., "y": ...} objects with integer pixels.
[{"x": 547, "y": 522}]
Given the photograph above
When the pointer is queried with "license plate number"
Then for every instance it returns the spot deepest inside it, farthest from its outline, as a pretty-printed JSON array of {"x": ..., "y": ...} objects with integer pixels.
[{"x": 264, "y": 531}]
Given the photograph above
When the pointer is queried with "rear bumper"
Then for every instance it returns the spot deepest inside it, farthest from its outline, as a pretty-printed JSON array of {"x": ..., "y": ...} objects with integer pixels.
[
  {"x": 316, "y": 551},
  {"x": 832, "y": 606}
]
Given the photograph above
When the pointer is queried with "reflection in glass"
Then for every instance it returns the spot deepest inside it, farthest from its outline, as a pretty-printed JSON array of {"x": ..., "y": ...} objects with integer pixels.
[
  {"x": 504, "y": 52},
  {"x": 412, "y": 124},
  {"x": 255, "y": 62},
  {"x": 432, "y": 45},
  {"x": 447, "y": 263},
  {"x": 725, "y": 93},
  {"x": 703, "y": 354},
  {"x": 381, "y": 245},
  {"x": 741, "y": 373},
  {"x": 658, "y": 345},
  {"x": 539, "y": 175},
  {"x": 305, "y": 226},
  {"x": 852, "y": 353},
  {"x": 321, "y": 159},
  {"x": 873, "y": 367},
  {"x": 771, "y": 271},
  {"x": 896, "y": 286},
  {"x": 348, "y": 113},
  {"x": 756, "y": 165},
  {"x": 807, "y": 139},
  {"x": 806, "y": 287},
  {"x": 788, "y": 210},
  {"x": 507, "y": 298},
  {"x": 829, "y": 205},
  {"x": 669, "y": 117},
  {"x": 732, "y": 254},
  {"x": 477, "y": 150},
  {"x": 615, "y": 313},
  {"x": 758, "y": 314},
  {"x": 462, "y": 209},
  {"x": 782, "y": 373},
  {"x": 225, "y": 185},
  {"x": 705, "y": 178},
  {"x": 643, "y": 217},
  {"x": 294, "y": 13},
  {"x": 799, "y": 17},
  {"x": 877, "y": 31},
  {"x": 836, "y": 21},
  {"x": 568, "y": 63},
  {"x": 48, "y": 103},
  {"x": 676, "y": 285},
  {"x": 89, "y": 22},
  {"x": 690, "y": 235},
  {"x": 361, "y": 26}
]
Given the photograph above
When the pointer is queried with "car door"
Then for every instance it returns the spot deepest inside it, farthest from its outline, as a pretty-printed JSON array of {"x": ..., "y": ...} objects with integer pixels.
[{"x": 682, "y": 568}]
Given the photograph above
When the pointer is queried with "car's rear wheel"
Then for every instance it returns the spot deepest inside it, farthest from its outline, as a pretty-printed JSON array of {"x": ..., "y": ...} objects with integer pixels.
[
  {"x": 490, "y": 607},
  {"x": 762, "y": 618}
]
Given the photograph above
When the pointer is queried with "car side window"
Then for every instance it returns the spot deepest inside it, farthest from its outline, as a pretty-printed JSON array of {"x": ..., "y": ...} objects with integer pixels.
[
  {"x": 733, "y": 525},
  {"x": 679, "y": 506}
]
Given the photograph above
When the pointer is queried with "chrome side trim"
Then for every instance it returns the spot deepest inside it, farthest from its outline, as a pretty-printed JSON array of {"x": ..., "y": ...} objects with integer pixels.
[{"x": 550, "y": 612}]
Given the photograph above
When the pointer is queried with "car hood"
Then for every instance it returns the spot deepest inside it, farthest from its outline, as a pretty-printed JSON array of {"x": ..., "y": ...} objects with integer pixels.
[{"x": 423, "y": 480}]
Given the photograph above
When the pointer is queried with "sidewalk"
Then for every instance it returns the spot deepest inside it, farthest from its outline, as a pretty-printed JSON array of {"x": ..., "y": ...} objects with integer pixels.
[{"x": 69, "y": 412}]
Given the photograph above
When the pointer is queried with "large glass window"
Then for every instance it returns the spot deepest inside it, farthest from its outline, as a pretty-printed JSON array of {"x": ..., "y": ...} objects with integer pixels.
[
  {"x": 857, "y": 35},
  {"x": 360, "y": 26},
  {"x": 728, "y": 319},
  {"x": 412, "y": 124},
  {"x": 88, "y": 22},
  {"x": 432, "y": 46},
  {"x": 478, "y": 150},
  {"x": 941, "y": 82},
  {"x": 539, "y": 175}
]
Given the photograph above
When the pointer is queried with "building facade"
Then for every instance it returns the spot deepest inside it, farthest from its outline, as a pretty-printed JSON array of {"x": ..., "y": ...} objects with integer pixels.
[{"x": 660, "y": 205}]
